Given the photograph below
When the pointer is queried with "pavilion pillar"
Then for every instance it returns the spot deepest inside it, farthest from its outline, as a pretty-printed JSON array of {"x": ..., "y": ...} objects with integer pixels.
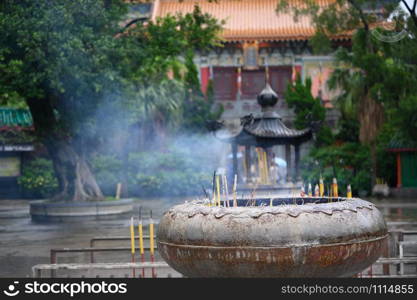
[
  {"x": 248, "y": 164},
  {"x": 297, "y": 162},
  {"x": 234, "y": 151},
  {"x": 399, "y": 178},
  {"x": 288, "y": 160}
]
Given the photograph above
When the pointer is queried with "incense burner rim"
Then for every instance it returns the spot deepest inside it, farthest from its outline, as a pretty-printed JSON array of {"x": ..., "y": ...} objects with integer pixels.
[{"x": 196, "y": 207}]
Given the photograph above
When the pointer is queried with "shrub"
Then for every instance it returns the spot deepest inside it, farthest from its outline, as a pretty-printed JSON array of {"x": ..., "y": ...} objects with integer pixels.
[
  {"x": 172, "y": 173},
  {"x": 108, "y": 171},
  {"x": 38, "y": 178}
]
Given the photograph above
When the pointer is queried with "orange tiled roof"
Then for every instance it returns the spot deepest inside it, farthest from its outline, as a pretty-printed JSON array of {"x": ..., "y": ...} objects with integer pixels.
[{"x": 247, "y": 20}]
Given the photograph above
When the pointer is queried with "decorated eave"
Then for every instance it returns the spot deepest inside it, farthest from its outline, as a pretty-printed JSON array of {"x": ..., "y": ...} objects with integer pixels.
[
  {"x": 14, "y": 126},
  {"x": 12, "y": 119},
  {"x": 248, "y": 20},
  {"x": 265, "y": 130},
  {"x": 399, "y": 143}
]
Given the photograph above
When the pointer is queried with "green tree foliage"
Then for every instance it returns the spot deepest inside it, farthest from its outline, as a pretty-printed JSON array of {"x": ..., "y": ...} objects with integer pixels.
[
  {"x": 69, "y": 59},
  {"x": 309, "y": 110},
  {"x": 377, "y": 79}
]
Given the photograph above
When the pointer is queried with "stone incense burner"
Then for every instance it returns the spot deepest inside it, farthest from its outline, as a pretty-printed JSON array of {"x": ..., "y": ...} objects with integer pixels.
[{"x": 282, "y": 237}]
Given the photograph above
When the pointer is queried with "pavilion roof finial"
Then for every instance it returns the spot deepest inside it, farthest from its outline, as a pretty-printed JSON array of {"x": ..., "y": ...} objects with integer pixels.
[{"x": 267, "y": 97}]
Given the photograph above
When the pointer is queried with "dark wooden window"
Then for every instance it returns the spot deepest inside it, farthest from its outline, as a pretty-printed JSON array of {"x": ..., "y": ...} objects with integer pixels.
[
  {"x": 253, "y": 82},
  {"x": 279, "y": 77},
  {"x": 225, "y": 83}
]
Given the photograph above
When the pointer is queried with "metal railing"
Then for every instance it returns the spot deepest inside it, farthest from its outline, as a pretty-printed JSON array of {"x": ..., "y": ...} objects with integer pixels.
[
  {"x": 37, "y": 269},
  {"x": 94, "y": 240}
]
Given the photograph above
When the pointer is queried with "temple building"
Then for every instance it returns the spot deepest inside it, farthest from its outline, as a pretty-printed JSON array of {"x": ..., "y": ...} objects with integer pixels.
[{"x": 259, "y": 45}]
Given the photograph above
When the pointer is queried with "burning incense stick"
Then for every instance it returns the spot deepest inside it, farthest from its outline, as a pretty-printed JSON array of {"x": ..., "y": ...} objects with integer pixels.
[
  {"x": 335, "y": 188},
  {"x": 310, "y": 192},
  {"x": 152, "y": 244},
  {"x": 321, "y": 187},
  {"x": 226, "y": 188},
  {"x": 234, "y": 191},
  {"x": 218, "y": 189},
  {"x": 142, "y": 250},
  {"x": 132, "y": 243},
  {"x": 349, "y": 191},
  {"x": 213, "y": 195}
]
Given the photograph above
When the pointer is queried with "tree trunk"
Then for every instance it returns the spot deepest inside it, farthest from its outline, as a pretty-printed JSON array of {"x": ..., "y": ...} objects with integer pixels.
[
  {"x": 76, "y": 181},
  {"x": 371, "y": 119}
]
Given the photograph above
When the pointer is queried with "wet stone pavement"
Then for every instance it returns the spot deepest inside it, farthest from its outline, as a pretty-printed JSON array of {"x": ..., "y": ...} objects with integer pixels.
[{"x": 24, "y": 243}]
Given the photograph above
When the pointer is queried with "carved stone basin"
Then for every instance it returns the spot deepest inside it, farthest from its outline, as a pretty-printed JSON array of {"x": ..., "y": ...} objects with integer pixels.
[{"x": 286, "y": 237}]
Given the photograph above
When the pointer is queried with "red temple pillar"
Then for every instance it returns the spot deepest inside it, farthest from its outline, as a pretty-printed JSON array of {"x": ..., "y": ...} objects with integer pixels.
[
  {"x": 399, "y": 179},
  {"x": 296, "y": 70},
  {"x": 205, "y": 78}
]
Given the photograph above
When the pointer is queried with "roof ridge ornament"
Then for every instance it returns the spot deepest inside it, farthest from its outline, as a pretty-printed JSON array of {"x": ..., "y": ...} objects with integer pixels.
[{"x": 268, "y": 97}]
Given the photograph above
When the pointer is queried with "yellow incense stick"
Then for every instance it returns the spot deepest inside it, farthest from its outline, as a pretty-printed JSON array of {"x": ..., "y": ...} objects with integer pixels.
[
  {"x": 349, "y": 192},
  {"x": 132, "y": 236},
  {"x": 335, "y": 188},
  {"x": 321, "y": 187},
  {"x": 142, "y": 251},
  {"x": 151, "y": 238}
]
